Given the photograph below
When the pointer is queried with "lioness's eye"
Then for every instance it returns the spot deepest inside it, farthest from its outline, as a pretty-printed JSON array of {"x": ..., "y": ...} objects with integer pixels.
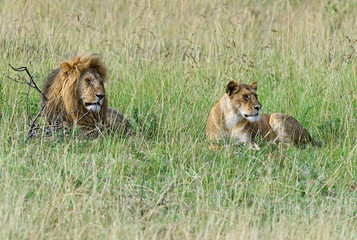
[
  {"x": 89, "y": 81},
  {"x": 246, "y": 97}
]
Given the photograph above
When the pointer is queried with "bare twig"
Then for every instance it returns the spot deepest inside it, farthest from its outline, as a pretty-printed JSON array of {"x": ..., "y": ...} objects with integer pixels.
[
  {"x": 30, "y": 82},
  {"x": 33, "y": 124}
]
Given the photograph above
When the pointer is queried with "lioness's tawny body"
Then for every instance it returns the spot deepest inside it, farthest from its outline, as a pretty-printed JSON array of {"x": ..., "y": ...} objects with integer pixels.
[{"x": 237, "y": 115}]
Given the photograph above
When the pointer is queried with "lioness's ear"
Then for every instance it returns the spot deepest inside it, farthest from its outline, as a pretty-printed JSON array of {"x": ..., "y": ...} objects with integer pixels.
[
  {"x": 231, "y": 87},
  {"x": 254, "y": 85},
  {"x": 66, "y": 67}
]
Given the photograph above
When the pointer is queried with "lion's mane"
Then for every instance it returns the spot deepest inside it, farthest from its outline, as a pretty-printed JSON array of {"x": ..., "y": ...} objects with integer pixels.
[{"x": 63, "y": 98}]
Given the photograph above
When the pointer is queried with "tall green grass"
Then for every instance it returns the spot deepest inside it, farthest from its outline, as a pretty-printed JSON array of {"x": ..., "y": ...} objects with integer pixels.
[{"x": 169, "y": 62}]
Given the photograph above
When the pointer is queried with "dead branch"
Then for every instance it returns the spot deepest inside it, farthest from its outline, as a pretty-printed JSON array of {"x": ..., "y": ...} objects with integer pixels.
[
  {"x": 33, "y": 123},
  {"x": 30, "y": 82}
]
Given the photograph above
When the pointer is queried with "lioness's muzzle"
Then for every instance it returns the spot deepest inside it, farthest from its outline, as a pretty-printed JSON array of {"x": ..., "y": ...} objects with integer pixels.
[{"x": 253, "y": 115}]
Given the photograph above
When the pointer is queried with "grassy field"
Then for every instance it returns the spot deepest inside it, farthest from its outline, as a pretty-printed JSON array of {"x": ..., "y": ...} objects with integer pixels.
[{"x": 169, "y": 62}]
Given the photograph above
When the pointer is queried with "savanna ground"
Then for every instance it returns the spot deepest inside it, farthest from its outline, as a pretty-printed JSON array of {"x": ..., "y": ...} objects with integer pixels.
[{"x": 169, "y": 62}]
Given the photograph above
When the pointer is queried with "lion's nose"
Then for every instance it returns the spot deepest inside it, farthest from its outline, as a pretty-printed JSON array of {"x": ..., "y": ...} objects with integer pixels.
[
  {"x": 100, "y": 96},
  {"x": 257, "y": 107}
]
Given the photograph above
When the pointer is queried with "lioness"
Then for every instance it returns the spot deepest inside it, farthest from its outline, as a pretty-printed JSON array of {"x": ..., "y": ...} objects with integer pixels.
[{"x": 237, "y": 115}]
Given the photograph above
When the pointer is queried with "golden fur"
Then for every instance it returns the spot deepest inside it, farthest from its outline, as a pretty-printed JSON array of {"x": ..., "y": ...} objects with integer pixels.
[
  {"x": 237, "y": 115},
  {"x": 76, "y": 95}
]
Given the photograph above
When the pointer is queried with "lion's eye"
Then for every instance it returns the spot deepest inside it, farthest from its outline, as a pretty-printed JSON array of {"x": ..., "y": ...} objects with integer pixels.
[
  {"x": 256, "y": 96},
  {"x": 246, "y": 97},
  {"x": 89, "y": 81}
]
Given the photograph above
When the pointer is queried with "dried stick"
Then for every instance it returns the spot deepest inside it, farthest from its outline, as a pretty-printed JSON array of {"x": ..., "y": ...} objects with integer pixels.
[
  {"x": 30, "y": 83},
  {"x": 33, "y": 124}
]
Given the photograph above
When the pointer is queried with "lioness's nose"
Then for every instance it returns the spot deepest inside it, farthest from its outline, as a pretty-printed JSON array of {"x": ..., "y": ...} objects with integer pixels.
[
  {"x": 257, "y": 107},
  {"x": 100, "y": 96}
]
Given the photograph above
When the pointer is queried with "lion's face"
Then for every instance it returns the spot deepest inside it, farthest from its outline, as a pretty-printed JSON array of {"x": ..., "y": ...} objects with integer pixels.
[
  {"x": 91, "y": 90},
  {"x": 75, "y": 91},
  {"x": 244, "y": 100}
]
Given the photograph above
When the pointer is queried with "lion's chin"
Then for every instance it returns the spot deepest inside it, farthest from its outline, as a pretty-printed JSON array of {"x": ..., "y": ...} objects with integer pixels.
[
  {"x": 252, "y": 118},
  {"x": 95, "y": 108}
]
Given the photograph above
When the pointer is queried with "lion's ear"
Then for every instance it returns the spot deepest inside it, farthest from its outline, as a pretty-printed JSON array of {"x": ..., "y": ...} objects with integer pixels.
[
  {"x": 232, "y": 86},
  {"x": 66, "y": 67},
  {"x": 254, "y": 85}
]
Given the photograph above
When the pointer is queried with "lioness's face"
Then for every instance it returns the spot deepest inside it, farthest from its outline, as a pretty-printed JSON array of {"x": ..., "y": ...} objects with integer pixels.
[
  {"x": 91, "y": 90},
  {"x": 244, "y": 100}
]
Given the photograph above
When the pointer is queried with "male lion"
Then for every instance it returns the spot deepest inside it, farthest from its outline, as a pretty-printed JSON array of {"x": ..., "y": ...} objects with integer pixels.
[
  {"x": 76, "y": 95},
  {"x": 237, "y": 115}
]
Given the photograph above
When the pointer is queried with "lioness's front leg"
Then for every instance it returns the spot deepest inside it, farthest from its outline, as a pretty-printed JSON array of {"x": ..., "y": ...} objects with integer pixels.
[
  {"x": 242, "y": 135},
  {"x": 213, "y": 137}
]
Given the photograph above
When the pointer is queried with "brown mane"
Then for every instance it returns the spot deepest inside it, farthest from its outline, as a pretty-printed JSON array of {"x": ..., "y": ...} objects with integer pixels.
[{"x": 61, "y": 89}]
